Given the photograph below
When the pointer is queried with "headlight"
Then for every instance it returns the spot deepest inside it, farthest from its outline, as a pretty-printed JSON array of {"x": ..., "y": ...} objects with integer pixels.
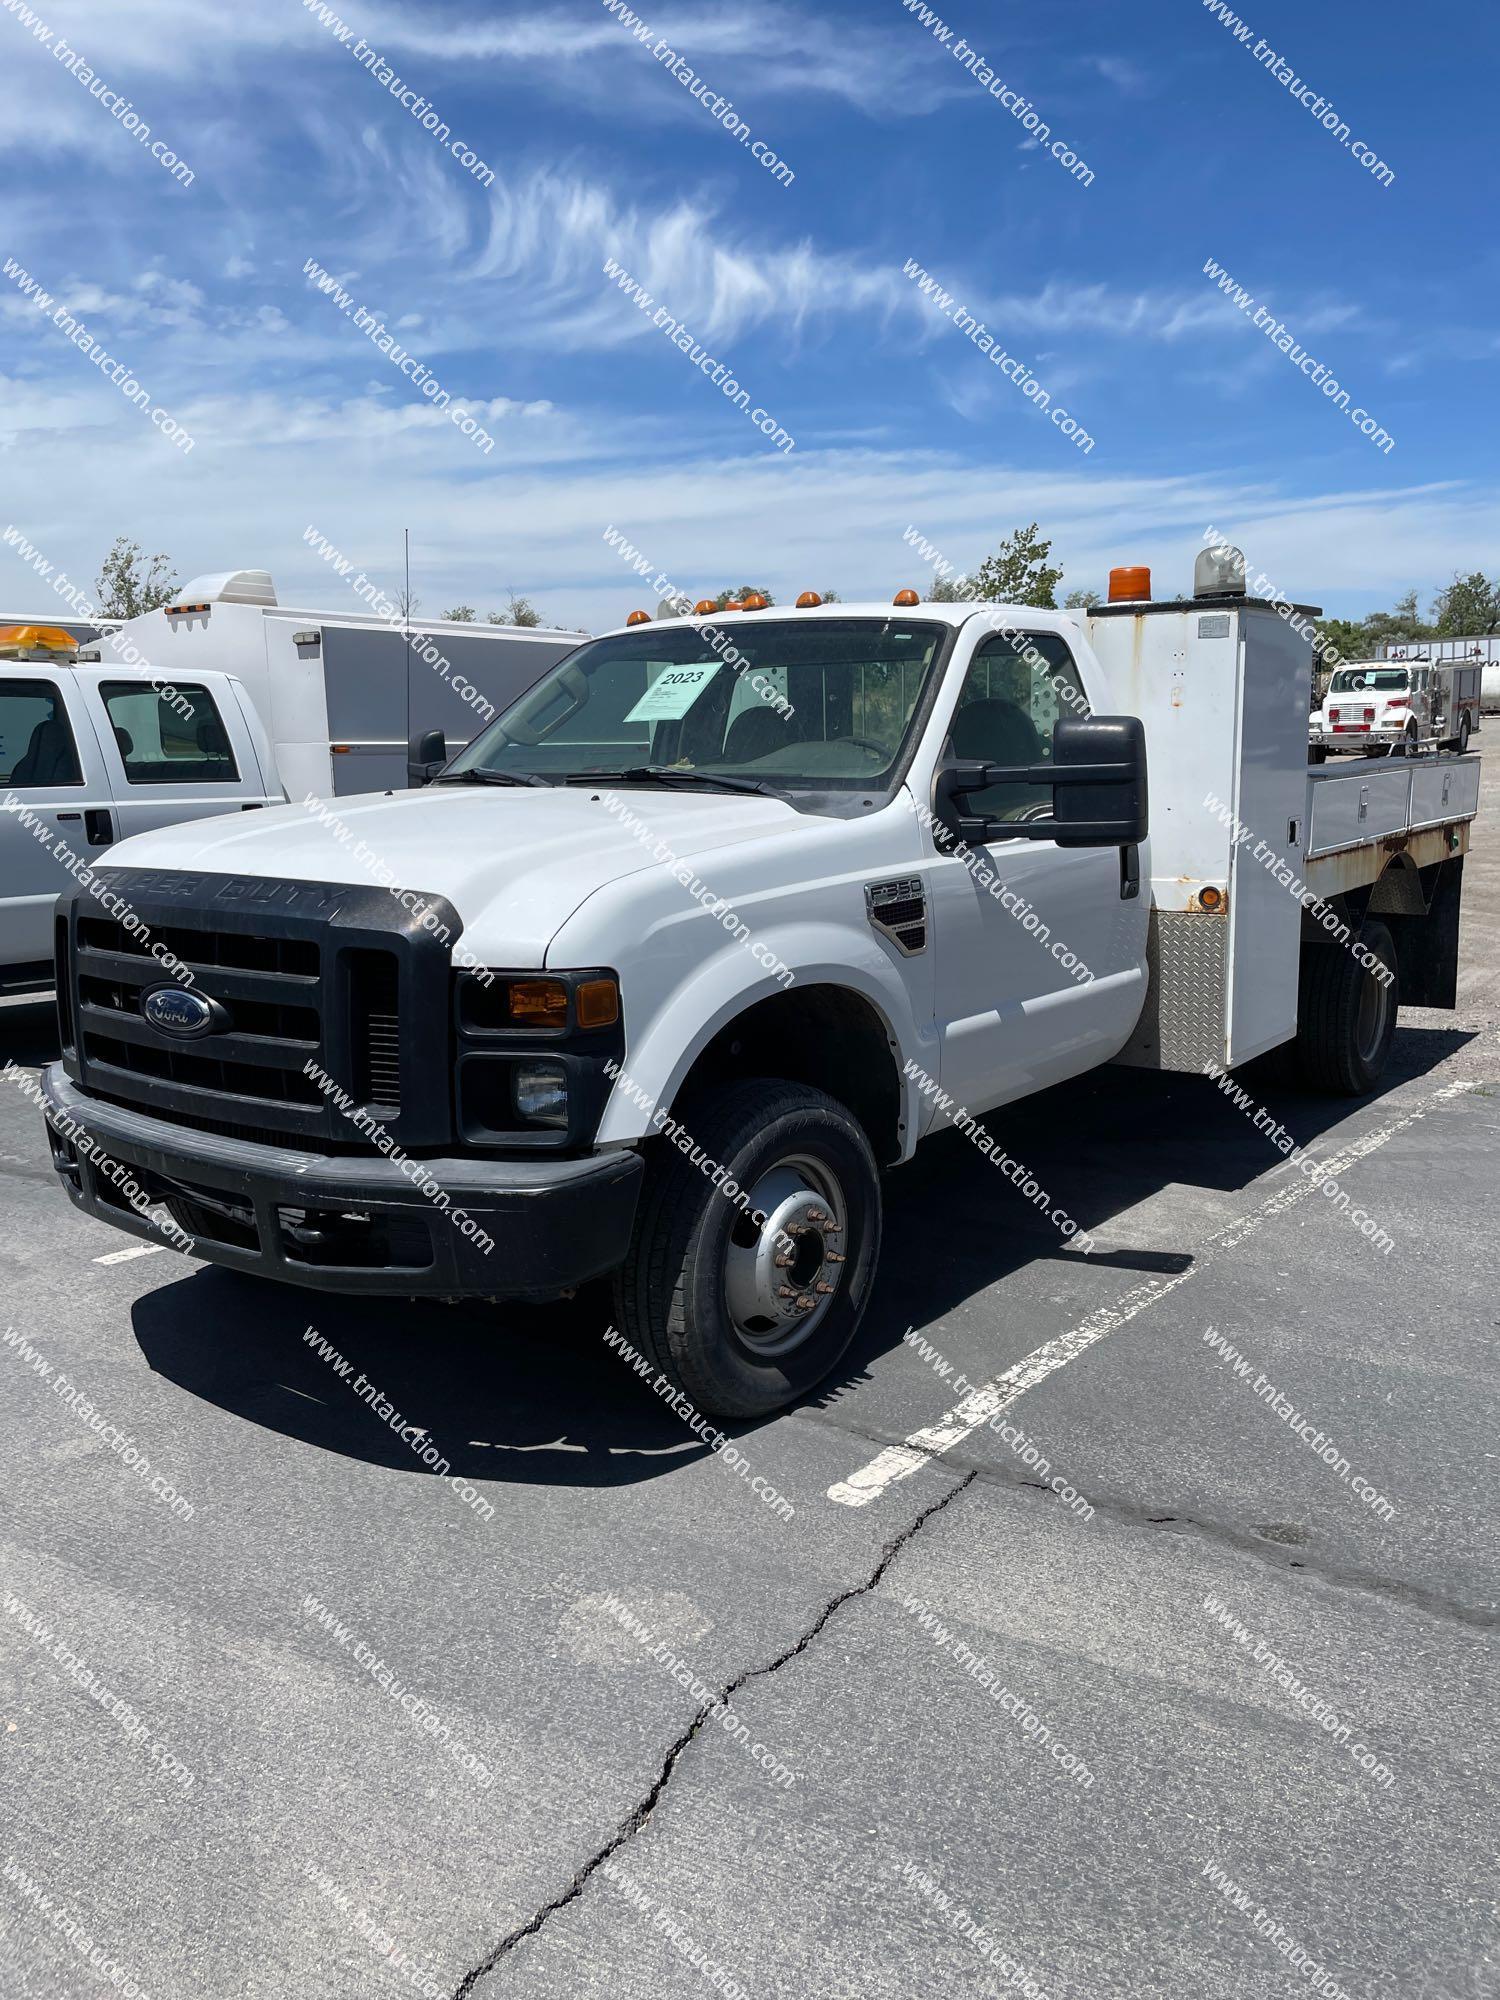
[{"x": 542, "y": 1093}]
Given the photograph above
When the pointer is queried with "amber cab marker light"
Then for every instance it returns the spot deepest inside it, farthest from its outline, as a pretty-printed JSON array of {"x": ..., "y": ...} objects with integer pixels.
[
  {"x": 906, "y": 597},
  {"x": 731, "y": 607},
  {"x": 808, "y": 600},
  {"x": 754, "y": 602},
  {"x": 704, "y": 608},
  {"x": 639, "y": 618},
  {"x": 1130, "y": 585},
  {"x": 540, "y": 1003},
  {"x": 598, "y": 1002}
]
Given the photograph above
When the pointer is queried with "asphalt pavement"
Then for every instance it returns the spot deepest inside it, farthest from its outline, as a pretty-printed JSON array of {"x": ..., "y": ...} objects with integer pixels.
[{"x": 1144, "y": 1698}]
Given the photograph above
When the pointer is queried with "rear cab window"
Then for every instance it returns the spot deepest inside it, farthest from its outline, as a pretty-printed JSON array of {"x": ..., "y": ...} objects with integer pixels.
[
  {"x": 37, "y": 749},
  {"x": 170, "y": 735}
]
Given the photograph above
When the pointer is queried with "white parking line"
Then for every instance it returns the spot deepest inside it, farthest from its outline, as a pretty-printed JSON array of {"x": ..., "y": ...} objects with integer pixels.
[
  {"x": 899, "y": 1461},
  {"x": 135, "y": 1250}
]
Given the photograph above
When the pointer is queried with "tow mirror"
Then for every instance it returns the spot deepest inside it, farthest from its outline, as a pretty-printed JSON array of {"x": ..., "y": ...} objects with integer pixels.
[
  {"x": 1096, "y": 776},
  {"x": 426, "y": 754}
]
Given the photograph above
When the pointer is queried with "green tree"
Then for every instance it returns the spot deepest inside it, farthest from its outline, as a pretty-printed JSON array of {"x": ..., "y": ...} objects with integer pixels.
[
  {"x": 1470, "y": 604},
  {"x": 462, "y": 614},
  {"x": 830, "y": 597},
  {"x": 1338, "y": 640},
  {"x": 128, "y": 584},
  {"x": 1019, "y": 572},
  {"x": 1401, "y": 623},
  {"x": 1080, "y": 600},
  {"x": 518, "y": 611}
]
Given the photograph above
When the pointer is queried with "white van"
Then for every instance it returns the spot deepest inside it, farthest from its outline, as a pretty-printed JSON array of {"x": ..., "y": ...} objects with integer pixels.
[
  {"x": 342, "y": 694},
  {"x": 90, "y": 755}
]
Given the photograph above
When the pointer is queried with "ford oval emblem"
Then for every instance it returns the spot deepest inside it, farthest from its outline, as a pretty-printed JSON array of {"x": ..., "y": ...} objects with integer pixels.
[{"x": 175, "y": 1011}]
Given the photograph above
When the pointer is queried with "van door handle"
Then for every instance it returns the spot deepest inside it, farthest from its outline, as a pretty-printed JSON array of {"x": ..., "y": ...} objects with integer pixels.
[
  {"x": 98, "y": 827},
  {"x": 1130, "y": 873}
]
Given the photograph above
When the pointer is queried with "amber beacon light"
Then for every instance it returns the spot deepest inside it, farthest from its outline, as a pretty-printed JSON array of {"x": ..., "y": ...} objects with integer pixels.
[{"x": 1130, "y": 585}]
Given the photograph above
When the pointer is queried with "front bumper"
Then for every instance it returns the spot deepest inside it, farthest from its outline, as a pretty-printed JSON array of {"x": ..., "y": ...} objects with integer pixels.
[{"x": 512, "y": 1228}]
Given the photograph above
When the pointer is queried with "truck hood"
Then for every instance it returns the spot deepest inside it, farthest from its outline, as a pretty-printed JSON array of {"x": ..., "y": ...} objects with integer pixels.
[{"x": 515, "y": 864}]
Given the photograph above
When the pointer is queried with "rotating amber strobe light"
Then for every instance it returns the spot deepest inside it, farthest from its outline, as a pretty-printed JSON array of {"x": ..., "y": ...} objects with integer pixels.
[
  {"x": 808, "y": 600},
  {"x": 906, "y": 597},
  {"x": 1131, "y": 585},
  {"x": 639, "y": 618}
]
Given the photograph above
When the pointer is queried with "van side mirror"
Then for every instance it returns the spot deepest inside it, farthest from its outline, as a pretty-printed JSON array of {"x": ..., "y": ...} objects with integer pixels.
[
  {"x": 426, "y": 754},
  {"x": 1097, "y": 778}
]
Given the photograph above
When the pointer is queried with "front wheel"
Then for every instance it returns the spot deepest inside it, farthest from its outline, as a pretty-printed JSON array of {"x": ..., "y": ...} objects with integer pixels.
[{"x": 752, "y": 1264}]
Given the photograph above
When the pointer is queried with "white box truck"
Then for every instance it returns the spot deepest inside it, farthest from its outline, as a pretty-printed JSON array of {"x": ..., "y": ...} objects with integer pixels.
[
  {"x": 341, "y": 693},
  {"x": 748, "y": 904},
  {"x": 1383, "y": 706}
]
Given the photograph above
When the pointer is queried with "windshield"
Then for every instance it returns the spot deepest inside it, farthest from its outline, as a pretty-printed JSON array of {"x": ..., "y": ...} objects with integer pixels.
[
  {"x": 813, "y": 704},
  {"x": 1370, "y": 680}
]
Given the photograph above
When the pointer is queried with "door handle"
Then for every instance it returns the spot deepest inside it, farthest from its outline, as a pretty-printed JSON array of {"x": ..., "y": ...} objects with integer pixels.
[
  {"x": 98, "y": 827},
  {"x": 1130, "y": 872}
]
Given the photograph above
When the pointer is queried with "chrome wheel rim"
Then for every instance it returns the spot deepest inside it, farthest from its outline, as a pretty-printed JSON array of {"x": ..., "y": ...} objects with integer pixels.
[{"x": 782, "y": 1275}]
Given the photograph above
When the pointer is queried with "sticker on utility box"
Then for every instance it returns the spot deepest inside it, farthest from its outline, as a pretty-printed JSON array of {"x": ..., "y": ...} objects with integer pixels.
[{"x": 672, "y": 693}]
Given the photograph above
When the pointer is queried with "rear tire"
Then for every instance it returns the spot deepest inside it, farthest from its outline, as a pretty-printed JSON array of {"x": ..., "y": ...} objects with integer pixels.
[
  {"x": 1346, "y": 1015},
  {"x": 734, "y": 1312},
  {"x": 1463, "y": 734}
]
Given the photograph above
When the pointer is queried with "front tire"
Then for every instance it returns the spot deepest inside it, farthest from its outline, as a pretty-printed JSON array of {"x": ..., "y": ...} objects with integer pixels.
[
  {"x": 1346, "y": 1014},
  {"x": 746, "y": 1316}
]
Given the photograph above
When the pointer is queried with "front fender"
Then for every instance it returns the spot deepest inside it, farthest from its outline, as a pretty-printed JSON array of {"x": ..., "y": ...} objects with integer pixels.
[{"x": 661, "y": 1047}]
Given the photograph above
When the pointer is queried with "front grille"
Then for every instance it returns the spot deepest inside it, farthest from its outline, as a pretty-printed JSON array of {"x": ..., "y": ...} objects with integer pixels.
[{"x": 300, "y": 976}]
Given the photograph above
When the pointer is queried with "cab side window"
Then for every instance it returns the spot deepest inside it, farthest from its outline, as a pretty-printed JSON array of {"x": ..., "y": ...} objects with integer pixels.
[
  {"x": 1016, "y": 691},
  {"x": 37, "y": 749},
  {"x": 169, "y": 736}
]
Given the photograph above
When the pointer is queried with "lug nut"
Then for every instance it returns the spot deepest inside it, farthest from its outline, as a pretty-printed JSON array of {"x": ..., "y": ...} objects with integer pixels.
[
  {"x": 805, "y": 1304},
  {"x": 834, "y": 1257},
  {"x": 823, "y": 1286},
  {"x": 786, "y": 1291}
]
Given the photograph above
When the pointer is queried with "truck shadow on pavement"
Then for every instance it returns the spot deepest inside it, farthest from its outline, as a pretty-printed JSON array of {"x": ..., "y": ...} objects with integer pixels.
[{"x": 532, "y": 1395}]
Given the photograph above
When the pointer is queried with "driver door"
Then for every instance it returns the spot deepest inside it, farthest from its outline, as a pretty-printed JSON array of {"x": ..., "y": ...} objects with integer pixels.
[{"x": 1041, "y": 952}]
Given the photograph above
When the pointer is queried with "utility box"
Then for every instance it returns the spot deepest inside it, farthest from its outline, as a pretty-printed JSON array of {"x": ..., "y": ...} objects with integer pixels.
[{"x": 1222, "y": 687}]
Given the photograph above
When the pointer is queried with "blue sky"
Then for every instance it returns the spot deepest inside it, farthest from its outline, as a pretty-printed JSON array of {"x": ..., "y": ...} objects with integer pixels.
[{"x": 899, "y": 153}]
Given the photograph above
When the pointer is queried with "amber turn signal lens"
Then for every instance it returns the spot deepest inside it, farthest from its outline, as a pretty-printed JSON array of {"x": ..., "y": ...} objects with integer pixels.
[
  {"x": 598, "y": 1002},
  {"x": 539, "y": 1003},
  {"x": 639, "y": 618},
  {"x": 1211, "y": 899},
  {"x": 704, "y": 607},
  {"x": 906, "y": 597},
  {"x": 807, "y": 600},
  {"x": 754, "y": 602}
]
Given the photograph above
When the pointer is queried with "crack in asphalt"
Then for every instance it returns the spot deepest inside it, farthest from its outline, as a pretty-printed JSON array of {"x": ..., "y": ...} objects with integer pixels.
[
  {"x": 1248, "y": 1541},
  {"x": 638, "y": 1816}
]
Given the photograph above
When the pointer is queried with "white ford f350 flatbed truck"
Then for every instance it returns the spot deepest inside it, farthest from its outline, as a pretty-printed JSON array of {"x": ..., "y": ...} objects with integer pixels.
[{"x": 775, "y": 878}]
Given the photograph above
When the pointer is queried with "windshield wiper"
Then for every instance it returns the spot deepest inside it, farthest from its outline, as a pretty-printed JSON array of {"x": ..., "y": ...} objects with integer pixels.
[
  {"x": 477, "y": 777},
  {"x": 665, "y": 774}
]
